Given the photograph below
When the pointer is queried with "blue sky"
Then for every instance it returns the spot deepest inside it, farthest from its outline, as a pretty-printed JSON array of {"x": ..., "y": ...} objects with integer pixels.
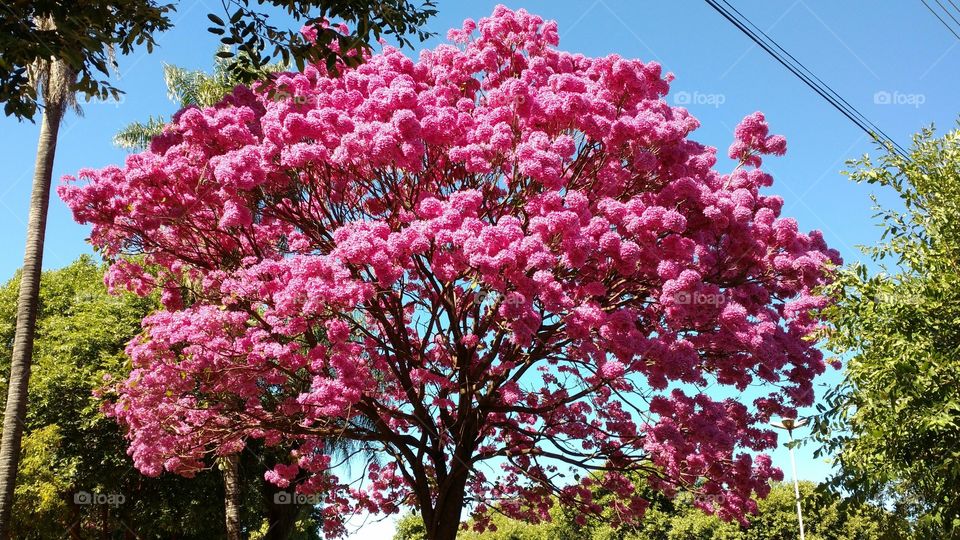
[{"x": 865, "y": 50}]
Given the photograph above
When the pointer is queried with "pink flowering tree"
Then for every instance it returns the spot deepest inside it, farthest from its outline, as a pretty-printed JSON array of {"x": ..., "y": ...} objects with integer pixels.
[{"x": 500, "y": 268}]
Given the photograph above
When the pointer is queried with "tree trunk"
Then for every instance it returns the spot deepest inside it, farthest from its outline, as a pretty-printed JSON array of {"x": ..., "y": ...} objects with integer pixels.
[
  {"x": 281, "y": 512},
  {"x": 444, "y": 519},
  {"x": 232, "y": 495},
  {"x": 446, "y": 516},
  {"x": 16, "y": 406}
]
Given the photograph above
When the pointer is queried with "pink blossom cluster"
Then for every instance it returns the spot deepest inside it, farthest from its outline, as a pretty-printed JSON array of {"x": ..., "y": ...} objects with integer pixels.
[
  {"x": 752, "y": 139},
  {"x": 487, "y": 255}
]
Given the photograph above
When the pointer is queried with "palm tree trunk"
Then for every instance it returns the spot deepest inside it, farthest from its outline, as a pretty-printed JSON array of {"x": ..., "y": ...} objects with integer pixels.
[
  {"x": 232, "y": 495},
  {"x": 16, "y": 407}
]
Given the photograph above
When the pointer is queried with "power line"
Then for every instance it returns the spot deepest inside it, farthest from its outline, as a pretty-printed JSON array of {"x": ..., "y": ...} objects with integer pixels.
[
  {"x": 803, "y": 73},
  {"x": 810, "y": 75},
  {"x": 947, "y": 10},
  {"x": 816, "y": 84},
  {"x": 937, "y": 15}
]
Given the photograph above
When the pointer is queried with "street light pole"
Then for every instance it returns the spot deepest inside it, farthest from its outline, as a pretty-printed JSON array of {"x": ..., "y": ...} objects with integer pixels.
[{"x": 789, "y": 424}]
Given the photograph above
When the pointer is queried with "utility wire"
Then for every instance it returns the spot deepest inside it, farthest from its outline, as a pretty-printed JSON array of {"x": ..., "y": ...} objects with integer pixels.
[
  {"x": 937, "y": 15},
  {"x": 803, "y": 73},
  {"x": 947, "y": 10},
  {"x": 810, "y": 77}
]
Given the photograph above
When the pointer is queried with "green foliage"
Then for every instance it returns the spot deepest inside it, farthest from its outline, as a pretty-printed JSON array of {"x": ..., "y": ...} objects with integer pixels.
[
  {"x": 509, "y": 529},
  {"x": 826, "y": 516},
  {"x": 679, "y": 519},
  {"x": 86, "y": 33},
  {"x": 186, "y": 87},
  {"x": 250, "y": 31},
  {"x": 894, "y": 422},
  {"x": 137, "y": 135},
  {"x": 49, "y": 474},
  {"x": 69, "y": 446},
  {"x": 410, "y": 527}
]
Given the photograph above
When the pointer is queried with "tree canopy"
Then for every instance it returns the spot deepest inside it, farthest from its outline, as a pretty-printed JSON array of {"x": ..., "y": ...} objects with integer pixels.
[
  {"x": 894, "y": 423},
  {"x": 84, "y": 34},
  {"x": 502, "y": 254}
]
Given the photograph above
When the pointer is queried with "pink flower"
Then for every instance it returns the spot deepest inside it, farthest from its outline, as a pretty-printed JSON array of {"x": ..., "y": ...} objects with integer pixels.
[
  {"x": 309, "y": 32},
  {"x": 751, "y": 139}
]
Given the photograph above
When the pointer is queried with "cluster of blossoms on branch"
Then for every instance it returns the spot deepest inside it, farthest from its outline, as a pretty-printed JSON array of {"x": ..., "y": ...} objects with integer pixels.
[{"x": 471, "y": 265}]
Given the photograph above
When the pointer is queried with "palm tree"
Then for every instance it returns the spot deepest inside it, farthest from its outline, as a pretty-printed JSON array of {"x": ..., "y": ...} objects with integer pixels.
[
  {"x": 53, "y": 80},
  {"x": 184, "y": 88}
]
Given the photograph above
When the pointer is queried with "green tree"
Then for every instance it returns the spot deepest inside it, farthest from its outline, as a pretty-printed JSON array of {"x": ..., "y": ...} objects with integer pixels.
[
  {"x": 410, "y": 527},
  {"x": 894, "y": 422},
  {"x": 69, "y": 447},
  {"x": 826, "y": 516}
]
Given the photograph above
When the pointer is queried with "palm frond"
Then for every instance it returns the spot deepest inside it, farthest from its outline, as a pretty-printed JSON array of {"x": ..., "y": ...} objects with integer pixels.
[
  {"x": 53, "y": 78},
  {"x": 185, "y": 88},
  {"x": 182, "y": 85},
  {"x": 137, "y": 136}
]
